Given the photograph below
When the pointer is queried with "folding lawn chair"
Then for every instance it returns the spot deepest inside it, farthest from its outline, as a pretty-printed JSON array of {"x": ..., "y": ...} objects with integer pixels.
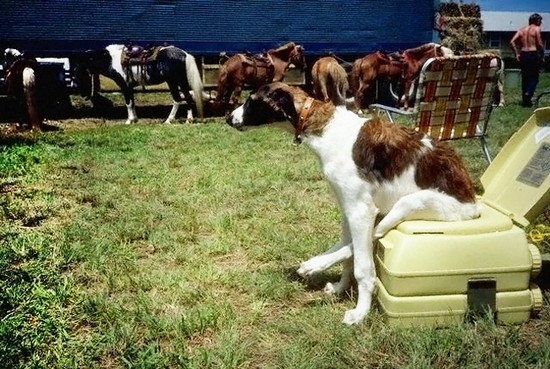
[{"x": 454, "y": 97}]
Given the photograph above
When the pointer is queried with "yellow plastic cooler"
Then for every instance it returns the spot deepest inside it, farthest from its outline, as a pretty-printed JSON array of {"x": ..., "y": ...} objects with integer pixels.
[{"x": 436, "y": 273}]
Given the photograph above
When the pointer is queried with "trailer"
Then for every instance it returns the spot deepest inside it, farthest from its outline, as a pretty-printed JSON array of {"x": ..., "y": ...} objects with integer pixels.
[{"x": 207, "y": 28}]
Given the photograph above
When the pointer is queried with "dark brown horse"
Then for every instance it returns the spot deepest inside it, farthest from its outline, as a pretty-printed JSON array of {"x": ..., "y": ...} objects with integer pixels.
[
  {"x": 330, "y": 80},
  {"x": 406, "y": 66},
  {"x": 413, "y": 60},
  {"x": 367, "y": 69},
  {"x": 256, "y": 70}
]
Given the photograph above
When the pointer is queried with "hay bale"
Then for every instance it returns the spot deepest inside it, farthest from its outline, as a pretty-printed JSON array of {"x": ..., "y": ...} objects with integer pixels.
[
  {"x": 460, "y": 10},
  {"x": 462, "y": 27}
]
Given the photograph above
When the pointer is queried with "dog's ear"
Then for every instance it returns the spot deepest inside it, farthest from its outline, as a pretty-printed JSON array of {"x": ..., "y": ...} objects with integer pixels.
[{"x": 283, "y": 100}]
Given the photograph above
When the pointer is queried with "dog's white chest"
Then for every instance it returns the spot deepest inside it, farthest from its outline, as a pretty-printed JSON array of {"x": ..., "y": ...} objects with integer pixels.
[{"x": 334, "y": 147}]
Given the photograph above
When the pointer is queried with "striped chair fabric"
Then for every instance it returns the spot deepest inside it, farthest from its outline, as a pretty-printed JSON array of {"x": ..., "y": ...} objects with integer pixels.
[{"x": 454, "y": 97}]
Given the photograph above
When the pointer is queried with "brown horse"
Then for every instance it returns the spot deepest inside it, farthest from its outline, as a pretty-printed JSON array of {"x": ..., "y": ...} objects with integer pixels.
[
  {"x": 406, "y": 66},
  {"x": 367, "y": 69},
  {"x": 330, "y": 80},
  {"x": 256, "y": 70},
  {"x": 413, "y": 60}
]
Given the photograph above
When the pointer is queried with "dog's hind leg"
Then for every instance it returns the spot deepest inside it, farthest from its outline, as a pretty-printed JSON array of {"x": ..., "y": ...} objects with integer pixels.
[
  {"x": 426, "y": 205},
  {"x": 341, "y": 286}
]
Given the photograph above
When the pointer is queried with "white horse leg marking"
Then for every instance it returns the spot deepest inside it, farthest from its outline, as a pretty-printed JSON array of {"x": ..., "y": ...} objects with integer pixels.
[
  {"x": 189, "y": 115},
  {"x": 132, "y": 116},
  {"x": 173, "y": 112}
]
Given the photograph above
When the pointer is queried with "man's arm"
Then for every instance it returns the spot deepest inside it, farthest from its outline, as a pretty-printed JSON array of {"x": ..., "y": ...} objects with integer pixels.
[
  {"x": 513, "y": 44},
  {"x": 538, "y": 38}
]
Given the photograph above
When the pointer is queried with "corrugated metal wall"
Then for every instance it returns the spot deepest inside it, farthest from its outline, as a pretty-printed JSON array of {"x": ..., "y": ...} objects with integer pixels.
[{"x": 208, "y": 27}]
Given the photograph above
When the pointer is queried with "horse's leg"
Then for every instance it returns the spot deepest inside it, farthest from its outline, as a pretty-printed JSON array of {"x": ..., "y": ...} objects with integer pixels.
[
  {"x": 128, "y": 92},
  {"x": 324, "y": 92},
  {"x": 360, "y": 96},
  {"x": 176, "y": 102},
  {"x": 184, "y": 87},
  {"x": 236, "y": 95},
  {"x": 406, "y": 93},
  {"x": 130, "y": 107}
]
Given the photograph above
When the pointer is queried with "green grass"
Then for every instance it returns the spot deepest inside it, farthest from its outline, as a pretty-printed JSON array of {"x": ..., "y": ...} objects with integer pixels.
[{"x": 154, "y": 246}]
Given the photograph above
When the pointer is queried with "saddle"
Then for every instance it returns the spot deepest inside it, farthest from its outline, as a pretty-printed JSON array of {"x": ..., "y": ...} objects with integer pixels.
[
  {"x": 260, "y": 60},
  {"x": 264, "y": 59},
  {"x": 393, "y": 57},
  {"x": 133, "y": 55},
  {"x": 138, "y": 55}
]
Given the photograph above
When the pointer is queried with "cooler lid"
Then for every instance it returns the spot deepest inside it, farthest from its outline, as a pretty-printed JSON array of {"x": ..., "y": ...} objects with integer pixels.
[{"x": 517, "y": 182}]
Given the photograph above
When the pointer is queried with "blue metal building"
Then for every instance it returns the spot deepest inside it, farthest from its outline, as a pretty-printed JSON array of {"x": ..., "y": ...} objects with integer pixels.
[{"x": 208, "y": 27}]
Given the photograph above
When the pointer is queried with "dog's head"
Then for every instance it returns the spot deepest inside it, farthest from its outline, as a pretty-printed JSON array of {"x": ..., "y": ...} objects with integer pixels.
[{"x": 270, "y": 103}]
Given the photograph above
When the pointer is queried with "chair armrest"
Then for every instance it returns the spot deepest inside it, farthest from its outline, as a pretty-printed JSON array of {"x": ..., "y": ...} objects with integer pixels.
[{"x": 389, "y": 110}]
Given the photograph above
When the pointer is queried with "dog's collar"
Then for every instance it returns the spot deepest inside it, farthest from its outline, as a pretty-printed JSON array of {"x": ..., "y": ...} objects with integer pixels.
[{"x": 302, "y": 117}]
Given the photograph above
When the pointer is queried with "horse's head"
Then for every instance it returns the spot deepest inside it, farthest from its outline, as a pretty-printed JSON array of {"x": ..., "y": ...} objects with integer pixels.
[
  {"x": 88, "y": 66},
  {"x": 444, "y": 51},
  {"x": 289, "y": 53},
  {"x": 297, "y": 57},
  {"x": 11, "y": 52},
  {"x": 10, "y": 56}
]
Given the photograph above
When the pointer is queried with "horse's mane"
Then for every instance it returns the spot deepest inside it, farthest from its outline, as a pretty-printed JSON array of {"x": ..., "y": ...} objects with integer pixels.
[
  {"x": 422, "y": 48},
  {"x": 289, "y": 45}
]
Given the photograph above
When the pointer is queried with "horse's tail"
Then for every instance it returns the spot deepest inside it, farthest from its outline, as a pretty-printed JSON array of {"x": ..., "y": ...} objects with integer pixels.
[
  {"x": 31, "y": 99},
  {"x": 340, "y": 83},
  {"x": 194, "y": 80}
]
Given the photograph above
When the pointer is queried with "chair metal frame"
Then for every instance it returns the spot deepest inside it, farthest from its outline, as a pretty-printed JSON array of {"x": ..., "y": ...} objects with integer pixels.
[{"x": 454, "y": 98}]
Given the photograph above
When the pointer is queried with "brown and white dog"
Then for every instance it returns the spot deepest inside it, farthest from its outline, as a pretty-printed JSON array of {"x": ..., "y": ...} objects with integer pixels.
[{"x": 374, "y": 167}]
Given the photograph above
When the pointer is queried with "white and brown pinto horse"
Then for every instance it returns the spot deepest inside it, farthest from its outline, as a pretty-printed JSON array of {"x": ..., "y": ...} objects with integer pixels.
[
  {"x": 373, "y": 167},
  {"x": 330, "y": 80},
  {"x": 22, "y": 79},
  {"x": 172, "y": 65}
]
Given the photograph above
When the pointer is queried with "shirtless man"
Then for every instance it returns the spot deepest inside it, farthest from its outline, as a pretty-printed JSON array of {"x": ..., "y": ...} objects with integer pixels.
[{"x": 528, "y": 50}]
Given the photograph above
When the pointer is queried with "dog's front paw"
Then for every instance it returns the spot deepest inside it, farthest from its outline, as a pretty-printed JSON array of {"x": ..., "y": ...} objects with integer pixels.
[
  {"x": 310, "y": 267},
  {"x": 354, "y": 316}
]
